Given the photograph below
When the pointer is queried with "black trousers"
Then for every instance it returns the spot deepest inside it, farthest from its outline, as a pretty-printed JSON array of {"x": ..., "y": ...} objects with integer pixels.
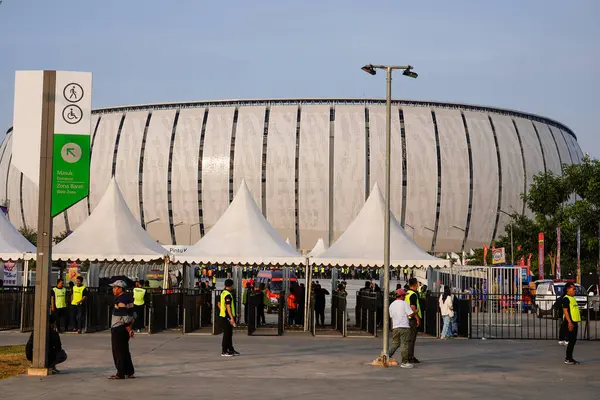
[
  {"x": 291, "y": 316},
  {"x": 320, "y": 315},
  {"x": 227, "y": 343},
  {"x": 61, "y": 317},
  {"x": 562, "y": 332},
  {"x": 571, "y": 338},
  {"x": 119, "y": 338},
  {"x": 139, "y": 317},
  {"x": 77, "y": 317}
]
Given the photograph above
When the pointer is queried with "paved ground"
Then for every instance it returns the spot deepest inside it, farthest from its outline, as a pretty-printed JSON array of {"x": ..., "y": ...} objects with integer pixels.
[{"x": 296, "y": 366}]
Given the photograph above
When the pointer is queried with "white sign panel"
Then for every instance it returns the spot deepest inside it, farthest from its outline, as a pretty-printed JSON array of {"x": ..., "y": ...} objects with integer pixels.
[
  {"x": 10, "y": 274},
  {"x": 73, "y": 103}
]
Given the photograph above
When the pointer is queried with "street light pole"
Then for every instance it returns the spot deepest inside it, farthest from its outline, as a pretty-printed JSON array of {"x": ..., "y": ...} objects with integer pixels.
[
  {"x": 370, "y": 69},
  {"x": 191, "y": 226}
]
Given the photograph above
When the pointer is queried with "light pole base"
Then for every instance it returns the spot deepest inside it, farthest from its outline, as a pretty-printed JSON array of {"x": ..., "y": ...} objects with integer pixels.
[
  {"x": 382, "y": 361},
  {"x": 39, "y": 371}
]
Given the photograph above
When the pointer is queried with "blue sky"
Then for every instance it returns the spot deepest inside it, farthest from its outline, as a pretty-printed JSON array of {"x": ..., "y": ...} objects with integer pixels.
[{"x": 538, "y": 56}]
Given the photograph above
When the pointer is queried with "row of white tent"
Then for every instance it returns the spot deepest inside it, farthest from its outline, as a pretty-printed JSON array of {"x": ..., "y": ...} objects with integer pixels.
[{"x": 242, "y": 236}]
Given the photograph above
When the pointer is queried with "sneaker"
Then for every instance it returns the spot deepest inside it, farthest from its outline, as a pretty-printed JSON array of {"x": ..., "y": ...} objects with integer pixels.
[
  {"x": 139, "y": 331},
  {"x": 414, "y": 361},
  {"x": 406, "y": 365},
  {"x": 234, "y": 353},
  {"x": 563, "y": 342},
  {"x": 55, "y": 371},
  {"x": 226, "y": 355},
  {"x": 571, "y": 362}
]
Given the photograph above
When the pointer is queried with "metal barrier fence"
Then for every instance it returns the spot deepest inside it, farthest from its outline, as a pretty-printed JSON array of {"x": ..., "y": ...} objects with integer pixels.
[
  {"x": 27, "y": 308},
  {"x": 99, "y": 304},
  {"x": 157, "y": 316},
  {"x": 10, "y": 308},
  {"x": 338, "y": 313},
  {"x": 366, "y": 315}
]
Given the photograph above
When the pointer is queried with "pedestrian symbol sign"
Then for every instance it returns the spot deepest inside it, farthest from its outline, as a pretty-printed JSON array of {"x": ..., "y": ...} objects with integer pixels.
[{"x": 71, "y": 160}]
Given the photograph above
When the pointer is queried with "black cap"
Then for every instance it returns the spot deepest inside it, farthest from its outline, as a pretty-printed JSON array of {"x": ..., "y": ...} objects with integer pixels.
[{"x": 228, "y": 282}]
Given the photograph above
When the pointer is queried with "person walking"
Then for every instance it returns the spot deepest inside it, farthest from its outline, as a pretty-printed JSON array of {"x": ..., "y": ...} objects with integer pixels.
[
  {"x": 447, "y": 310},
  {"x": 412, "y": 298},
  {"x": 227, "y": 315},
  {"x": 139, "y": 306},
  {"x": 58, "y": 301},
  {"x": 121, "y": 331},
  {"x": 78, "y": 298},
  {"x": 571, "y": 320},
  {"x": 400, "y": 312}
]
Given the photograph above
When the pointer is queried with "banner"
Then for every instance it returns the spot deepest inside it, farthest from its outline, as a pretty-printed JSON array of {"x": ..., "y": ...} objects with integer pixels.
[
  {"x": 578, "y": 255},
  {"x": 558, "y": 253},
  {"x": 73, "y": 271},
  {"x": 485, "y": 251},
  {"x": 498, "y": 256},
  {"x": 10, "y": 273},
  {"x": 541, "y": 255}
]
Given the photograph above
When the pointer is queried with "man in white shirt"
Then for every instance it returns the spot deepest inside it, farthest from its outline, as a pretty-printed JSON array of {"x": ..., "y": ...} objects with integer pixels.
[{"x": 400, "y": 311}]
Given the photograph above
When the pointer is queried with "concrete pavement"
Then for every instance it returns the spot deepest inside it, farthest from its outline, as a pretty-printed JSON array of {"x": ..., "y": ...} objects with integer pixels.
[{"x": 297, "y": 366}]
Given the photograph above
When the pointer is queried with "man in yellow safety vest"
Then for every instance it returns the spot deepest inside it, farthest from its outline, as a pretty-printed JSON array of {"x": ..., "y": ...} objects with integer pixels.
[
  {"x": 58, "y": 299},
  {"x": 139, "y": 306},
  {"x": 412, "y": 298},
  {"x": 571, "y": 320},
  {"x": 78, "y": 298},
  {"x": 227, "y": 315}
]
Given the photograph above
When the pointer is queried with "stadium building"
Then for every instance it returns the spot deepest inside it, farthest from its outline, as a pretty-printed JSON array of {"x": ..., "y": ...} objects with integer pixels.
[{"x": 310, "y": 164}]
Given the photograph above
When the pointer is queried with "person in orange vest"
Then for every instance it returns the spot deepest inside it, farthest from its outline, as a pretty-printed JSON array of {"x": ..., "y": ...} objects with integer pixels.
[{"x": 292, "y": 307}]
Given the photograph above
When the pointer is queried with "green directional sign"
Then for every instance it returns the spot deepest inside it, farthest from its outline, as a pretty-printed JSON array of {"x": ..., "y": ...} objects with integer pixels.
[{"x": 71, "y": 167}]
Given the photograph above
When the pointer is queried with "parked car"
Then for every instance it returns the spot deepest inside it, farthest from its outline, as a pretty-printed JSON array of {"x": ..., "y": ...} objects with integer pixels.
[{"x": 548, "y": 292}]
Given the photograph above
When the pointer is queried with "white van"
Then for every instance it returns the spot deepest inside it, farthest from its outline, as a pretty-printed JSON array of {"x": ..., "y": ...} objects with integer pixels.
[{"x": 548, "y": 292}]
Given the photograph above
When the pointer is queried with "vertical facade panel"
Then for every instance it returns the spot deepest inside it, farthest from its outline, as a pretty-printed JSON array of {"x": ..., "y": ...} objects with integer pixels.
[
  {"x": 454, "y": 202},
  {"x": 550, "y": 150},
  {"x": 534, "y": 161},
  {"x": 156, "y": 161},
  {"x": 215, "y": 165},
  {"x": 377, "y": 156},
  {"x": 102, "y": 156},
  {"x": 30, "y": 203},
  {"x": 572, "y": 152},
  {"x": 14, "y": 196},
  {"x": 281, "y": 171},
  {"x": 348, "y": 166},
  {"x": 4, "y": 166},
  {"x": 247, "y": 161},
  {"x": 512, "y": 169},
  {"x": 563, "y": 151},
  {"x": 485, "y": 179},
  {"x": 577, "y": 149},
  {"x": 421, "y": 154},
  {"x": 313, "y": 177},
  {"x": 128, "y": 159},
  {"x": 184, "y": 177}
]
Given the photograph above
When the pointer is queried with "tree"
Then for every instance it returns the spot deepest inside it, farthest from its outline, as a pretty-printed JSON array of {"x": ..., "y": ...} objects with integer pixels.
[
  {"x": 29, "y": 234},
  {"x": 60, "y": 237},
  {"x": 568, "y": 201}
]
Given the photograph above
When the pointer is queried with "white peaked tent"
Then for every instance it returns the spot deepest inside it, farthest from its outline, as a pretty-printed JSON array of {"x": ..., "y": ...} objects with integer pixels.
[
  {"x": 362, "y": 243},
  {"x": 110, "y": 233},
  {"x": 13, "y": 246},
  {"x": 242, "y": 236},
  {"x": 318, "y": 249}
]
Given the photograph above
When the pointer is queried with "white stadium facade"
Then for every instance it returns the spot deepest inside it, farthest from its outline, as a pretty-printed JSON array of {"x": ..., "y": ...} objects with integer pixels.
[{"x": 310, "y": 164}]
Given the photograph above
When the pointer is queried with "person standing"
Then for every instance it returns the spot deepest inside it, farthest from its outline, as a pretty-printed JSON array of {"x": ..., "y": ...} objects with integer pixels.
[
  {"x": 139, "y": 306},
  {"x": 447, "y": 310},
  {"x": 571, "y": 320},
  {"x": 78, "y": 298},
  {"x": 227, "y": 314},
  {"x": 292, "y": 306},
  {"x": 247, "y": 292},
  {"x": 400, "y": 312},
  {"x": 58, "y": 300},
  {"x": 320, "y": 302},
  {"x": 412, "y": 298},
  {"x": 121, "y": 331}
]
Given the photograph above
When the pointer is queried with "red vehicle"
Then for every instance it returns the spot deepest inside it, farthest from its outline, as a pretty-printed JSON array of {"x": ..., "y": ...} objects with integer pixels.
[{"x": 273, "y": 280}]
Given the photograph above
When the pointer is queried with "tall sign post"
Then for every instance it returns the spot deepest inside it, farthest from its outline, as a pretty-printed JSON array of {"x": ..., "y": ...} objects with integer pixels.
[
  {"x": 541, "y": 255},
  {"x": 578, "y": 254},
  {"x": 52, "y": 116},
  {"x": 558, "y": 253}
]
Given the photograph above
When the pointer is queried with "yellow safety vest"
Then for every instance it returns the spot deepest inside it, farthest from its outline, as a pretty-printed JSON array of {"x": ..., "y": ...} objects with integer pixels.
[
  {"x": 138, "y": 296},
  {"x": 407, "y": 299},
  {"x": 60, "y": 297},
  {"x": 223, "y": 308},
  {"x": 77, "y": 294},
  {"x": 574, "y": 307}
]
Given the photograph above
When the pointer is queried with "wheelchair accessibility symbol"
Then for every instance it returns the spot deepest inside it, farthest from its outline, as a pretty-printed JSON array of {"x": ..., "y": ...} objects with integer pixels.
[{"x": 72, "y": 114}]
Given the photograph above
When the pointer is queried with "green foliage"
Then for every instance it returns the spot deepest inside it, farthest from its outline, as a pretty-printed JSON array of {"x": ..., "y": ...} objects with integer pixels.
[
  {"x": 60, "y": 237},
  {"x": 551, "y": 198},
  {"x": 29, "y": 234}
]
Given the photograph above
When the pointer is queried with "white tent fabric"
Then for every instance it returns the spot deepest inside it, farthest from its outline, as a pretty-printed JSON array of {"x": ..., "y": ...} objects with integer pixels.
[
  {"x": 362, "y": 243},
  {"x": 110, "y": 233},
  {"x": 318, "y": 249},
  {"x": 242, "y": 236},
  {"x": 13, "y": 246}
]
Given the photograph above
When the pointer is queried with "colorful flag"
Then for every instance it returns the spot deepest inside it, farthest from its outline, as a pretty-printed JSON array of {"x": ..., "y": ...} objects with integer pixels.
[{"x": 541, "y": 255}]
